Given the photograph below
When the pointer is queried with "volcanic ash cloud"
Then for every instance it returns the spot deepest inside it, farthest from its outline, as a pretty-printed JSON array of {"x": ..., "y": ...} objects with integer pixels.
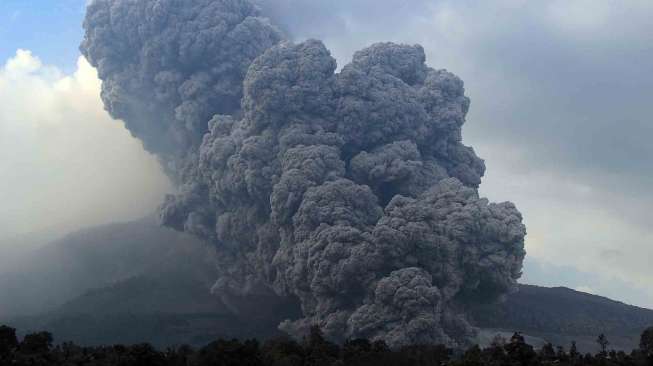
[{"x": 350, "y": 193}]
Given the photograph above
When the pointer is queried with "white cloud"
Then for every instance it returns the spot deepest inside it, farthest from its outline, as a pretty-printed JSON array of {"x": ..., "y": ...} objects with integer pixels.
[{"x": 64, "y": 164}]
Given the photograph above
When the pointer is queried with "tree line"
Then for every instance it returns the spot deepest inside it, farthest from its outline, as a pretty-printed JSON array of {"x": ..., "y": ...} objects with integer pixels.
[{"x": 37, "y": 349}]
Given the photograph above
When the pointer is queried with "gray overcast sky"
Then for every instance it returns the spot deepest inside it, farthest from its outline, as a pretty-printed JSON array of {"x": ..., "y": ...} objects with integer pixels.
[{"x": 560, "y": 110}]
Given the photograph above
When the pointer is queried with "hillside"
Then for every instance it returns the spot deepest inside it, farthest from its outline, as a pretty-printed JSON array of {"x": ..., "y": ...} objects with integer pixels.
[
  {"x": 561, "y": 315},
  {"x": 134, "y": 282},
  {"x": 126, "y": 283},
  {"x": 170, "y": 309},
  {"x": 49, "y": 276}
]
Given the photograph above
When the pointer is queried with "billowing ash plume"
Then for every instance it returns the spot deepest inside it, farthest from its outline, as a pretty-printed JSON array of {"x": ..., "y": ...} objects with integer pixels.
[
  {"x": 168, "y": 66},
  {"x": 349, "y": 192}
]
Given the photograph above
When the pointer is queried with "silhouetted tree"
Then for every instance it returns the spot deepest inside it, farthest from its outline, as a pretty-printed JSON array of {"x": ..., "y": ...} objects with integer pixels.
[
  {"x": 282, "y": 351},
  {"x": 8, "y": 341},
  {"x": 320, "y": 352},
  {"x": 517, "y": 337},
  {"x": 36, "y": 350},
  {"x": 70, "y": 353},
  {"x": 499, "y": 341},
  {"x": 548, "y": 352},
  {"x": 36, "y": 343},
  {"x": 603, "y": 342},
  {"x": 646, "y": 342},
  {"x": 380, "y": 346},
  {"x": 419, "y": 355},
  {"x": 573, "y": 351},
  {"x": 356, "y": 352},
  {"x": 473, "y": 357},
  {"x": 230, "y": 353},
  {"x": 145, "y": 354},
  {"x": 519, "y": 351},
  {"x": 497, "y": 350},
  {"x": 179, "y": 356}
]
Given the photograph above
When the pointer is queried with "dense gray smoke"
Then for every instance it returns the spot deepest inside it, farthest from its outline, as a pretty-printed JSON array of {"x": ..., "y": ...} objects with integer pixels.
[
  {"x": 350, "y": 192},
  {"x": 168, "y": 66}
]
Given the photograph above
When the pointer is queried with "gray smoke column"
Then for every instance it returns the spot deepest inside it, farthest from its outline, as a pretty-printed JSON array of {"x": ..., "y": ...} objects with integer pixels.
[
  {"x": 168, "y": 66},
  {"x": 350, "y": 193}
]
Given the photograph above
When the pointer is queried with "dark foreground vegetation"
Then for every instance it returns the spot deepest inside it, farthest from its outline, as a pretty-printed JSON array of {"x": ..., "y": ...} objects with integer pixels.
[{"x": 37, "y": 349}]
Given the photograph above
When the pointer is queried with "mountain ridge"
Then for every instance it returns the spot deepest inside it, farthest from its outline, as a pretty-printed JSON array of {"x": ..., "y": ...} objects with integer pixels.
[{"x": 135, "y": 282}]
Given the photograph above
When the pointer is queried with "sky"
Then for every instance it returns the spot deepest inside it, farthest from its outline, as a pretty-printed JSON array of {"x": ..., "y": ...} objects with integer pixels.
[
  {"x": 64, "y": 163},
  {"x": 560, "y": 110}
]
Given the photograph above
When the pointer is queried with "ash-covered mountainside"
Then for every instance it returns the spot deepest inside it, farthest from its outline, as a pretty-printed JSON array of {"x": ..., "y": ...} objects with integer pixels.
[
  {"x": 560, "y": 310},
  {"x": 349, "y": 192},
  {"x": 561, "y": 315}
]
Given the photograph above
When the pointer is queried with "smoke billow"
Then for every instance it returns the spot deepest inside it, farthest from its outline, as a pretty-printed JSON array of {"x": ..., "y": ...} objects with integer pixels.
[
  {"x": 168, "y": 66},
  {"x": 348, "y": 192}
]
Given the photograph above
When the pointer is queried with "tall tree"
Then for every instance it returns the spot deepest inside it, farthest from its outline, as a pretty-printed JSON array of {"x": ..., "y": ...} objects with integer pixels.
[
  {"x": 8, "y": 341},
  {"x": 646, "y": 342},
  {"x": 603, "y": 342}
]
